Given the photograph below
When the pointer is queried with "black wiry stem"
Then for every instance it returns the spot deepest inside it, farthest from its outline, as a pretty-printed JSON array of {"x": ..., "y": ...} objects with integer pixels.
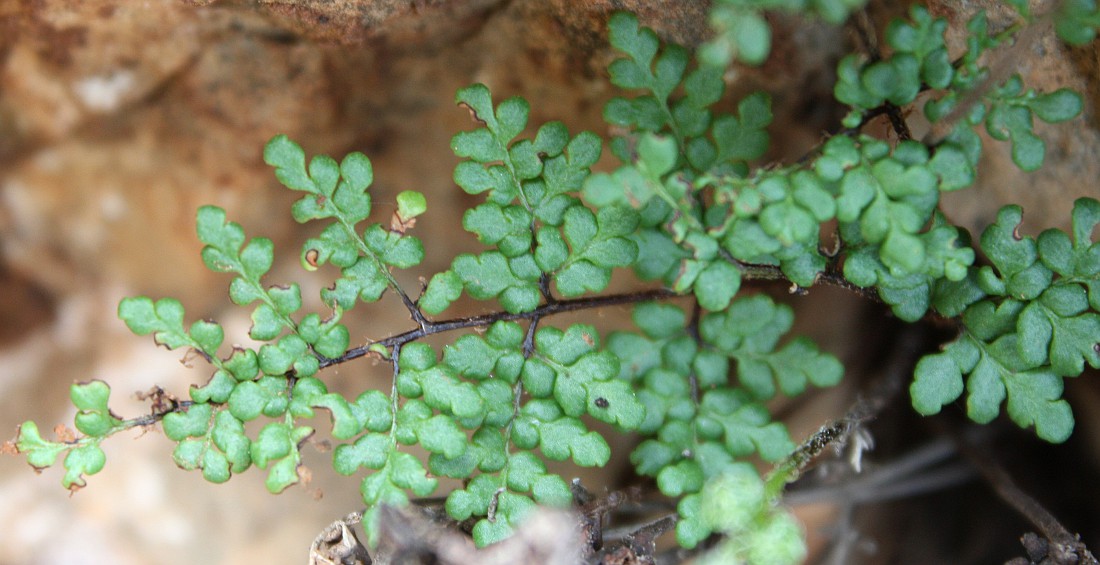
[
  {"x": 150, "y": 419},
  {"x": 544, "y": 288},
  {"x": 414, "y": 310},
  {"x": 866, "y": 32},
  {"x": 428, "y": 327},
  {"x": 550, "y": 309}
]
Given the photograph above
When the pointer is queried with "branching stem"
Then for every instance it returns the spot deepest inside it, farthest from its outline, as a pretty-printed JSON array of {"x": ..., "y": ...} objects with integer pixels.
[
  {"x": 550, "y": 309},
  {"x": 866, "y": 33},
  {"x": 394, "y": 395},
  {"x": 428, "y": 327}
]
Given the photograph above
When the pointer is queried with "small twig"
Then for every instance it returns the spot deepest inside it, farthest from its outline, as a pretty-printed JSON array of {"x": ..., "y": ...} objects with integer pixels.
[
  {"x": 910, "y": 475},
  {"x": 866, "y": 408},
  {"x": 395, "y": 397},
  {"x": 1067, "y": 547},
  {"x": 544, "y": 289},
  {"x": 414, "y": 310},
  {"x": 491, "y": 513},
  {"x": 748, "y": 270},
  {"x": 338, "y": 544},
  {"x": 637, "y": 543},
  {"x": 517, "y": 389},
  {"x": 864, "y": 119},
  {"x": 559, "y": 307},
  {"x": 594, "y": 511},
  {"x": 846, "y": 537},
  {"x": 150, "y": 419},
  {"x": 644, "y": 539},
  {"x": 529, "y": 337},
  {"x": 928, "y": 481},
  {"x": 865, "y": 30}
]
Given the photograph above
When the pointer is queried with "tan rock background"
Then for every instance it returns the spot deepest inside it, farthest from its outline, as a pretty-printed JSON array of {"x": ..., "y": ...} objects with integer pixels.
[{"x": 119, "y": 118}]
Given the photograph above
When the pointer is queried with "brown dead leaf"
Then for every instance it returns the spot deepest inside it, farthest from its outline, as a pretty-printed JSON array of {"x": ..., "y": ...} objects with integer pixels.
[
  {"x": 64, "y": 433},
  {"x": 401, "y": 225},
  {"x": 338, "y": 544}
]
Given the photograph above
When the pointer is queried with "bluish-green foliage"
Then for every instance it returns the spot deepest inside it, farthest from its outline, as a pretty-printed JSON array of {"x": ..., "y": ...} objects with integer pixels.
[
  {"x": 689, "y": 208},
  {"x": 1030, "y": 319}
]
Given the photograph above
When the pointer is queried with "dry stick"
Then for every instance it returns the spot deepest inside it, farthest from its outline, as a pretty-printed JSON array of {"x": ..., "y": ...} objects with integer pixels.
[
  {"x": 643, "y": 541},
  {"x": 867, "y": 407},
  {"x": 914, "y": 473},
  {"x": 864, "y": 409},
  {"x": 1063, "y": 543},
  {"x": 338, "y": 544},
  {"x": 898, "y": 367}
]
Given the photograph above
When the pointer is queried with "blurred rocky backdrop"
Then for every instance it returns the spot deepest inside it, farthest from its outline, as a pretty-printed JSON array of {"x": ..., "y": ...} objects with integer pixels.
[{"x": 119, "y": 118}]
